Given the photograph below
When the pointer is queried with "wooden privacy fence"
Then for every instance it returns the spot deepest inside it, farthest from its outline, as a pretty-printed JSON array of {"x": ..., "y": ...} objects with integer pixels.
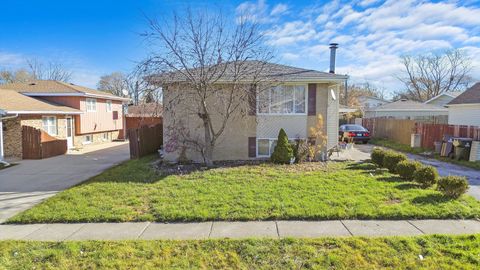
[
  {"x": 37, "y": 144},
  {"x": 145, "y": 140},
  {"x": 398, "y": 130},
  {"x": 431, "y": 133}
]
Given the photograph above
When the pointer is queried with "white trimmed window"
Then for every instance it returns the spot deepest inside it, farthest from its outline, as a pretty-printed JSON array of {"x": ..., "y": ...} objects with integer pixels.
[
  {"x": 87, "y": 139},
  {"x": 284, "y": 99},
  {"x": 109, "y": 105},
  {"x": 49, "y": 124},
  {"x": 91, "y": 105}
]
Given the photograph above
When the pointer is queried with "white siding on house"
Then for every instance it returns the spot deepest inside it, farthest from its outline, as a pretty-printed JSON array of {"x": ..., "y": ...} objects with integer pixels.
[
  {"x": 468, "y": 115},
  {"x": 332, "y": 118}
]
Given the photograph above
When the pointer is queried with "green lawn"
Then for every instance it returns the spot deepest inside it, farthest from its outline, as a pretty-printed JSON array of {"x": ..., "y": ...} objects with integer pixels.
[
  {"x": 417, "y": 150},
  {"x": 133, "y": 192},
  {"x": 438, "y": 252}
]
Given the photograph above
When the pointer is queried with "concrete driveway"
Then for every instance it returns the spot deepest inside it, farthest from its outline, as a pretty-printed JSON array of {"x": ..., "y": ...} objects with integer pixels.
[
  {"x": 362, "y": 152},
  {"x": 32, "y": 181}
]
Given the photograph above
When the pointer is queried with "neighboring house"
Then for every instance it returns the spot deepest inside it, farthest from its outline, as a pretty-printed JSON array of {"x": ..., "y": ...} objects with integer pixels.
[
  {"x": 465, "y": 109},
  {"x": 368, "y": 102},
  {"x": 144, "y": 114},
  {"x": 293, "y": 105},
  {"x": 2, "y": 114},
  {"x": 408, "y": 109},
  {"x": 443, "y": 99},
  {"x": 78, "y": 114}
]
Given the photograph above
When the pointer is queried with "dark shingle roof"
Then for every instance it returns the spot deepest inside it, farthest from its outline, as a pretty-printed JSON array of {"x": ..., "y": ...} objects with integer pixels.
[
  {"x": 470, "y": 96},
  {"x": 259, "y": 68},
  {"x": 145, "y": 110}
]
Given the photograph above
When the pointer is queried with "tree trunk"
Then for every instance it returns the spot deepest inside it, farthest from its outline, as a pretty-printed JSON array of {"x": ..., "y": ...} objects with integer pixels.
[{"x": 208, "y": 154}]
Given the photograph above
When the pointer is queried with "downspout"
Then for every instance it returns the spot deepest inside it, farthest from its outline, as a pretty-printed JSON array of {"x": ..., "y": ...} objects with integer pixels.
[{"x": 1, "y": 137}]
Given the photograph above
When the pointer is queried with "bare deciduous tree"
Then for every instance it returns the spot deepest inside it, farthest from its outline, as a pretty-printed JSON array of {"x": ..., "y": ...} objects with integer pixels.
[
  {"x": 49, "y": 71},
  {"x": 134, "y": 83},
  {"x": 20, "y": 75},
  {"x": 114, "y": 83},
  {"x": 211, "y": 60},
  {"x": 426, "y": 76},
  {"x": 36, "y": 70}
]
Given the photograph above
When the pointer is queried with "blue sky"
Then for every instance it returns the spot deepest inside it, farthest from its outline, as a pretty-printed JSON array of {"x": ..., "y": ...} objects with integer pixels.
[{"x": 93, "y": 38}]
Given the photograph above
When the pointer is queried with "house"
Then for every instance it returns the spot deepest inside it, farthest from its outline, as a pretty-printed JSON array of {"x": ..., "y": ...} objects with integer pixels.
[
  {"x": 292, "y": 104},
  {"x": 442, "y": 99},
  {"x": 368, "y": 102},
  {"x": 65, "y": 111},
  {"x": 465, "y": 109},
  {"x": 409, "y": 109}
]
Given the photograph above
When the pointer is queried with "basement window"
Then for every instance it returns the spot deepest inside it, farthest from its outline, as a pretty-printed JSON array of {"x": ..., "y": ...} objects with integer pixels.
[{"x": 87, "y": 139}]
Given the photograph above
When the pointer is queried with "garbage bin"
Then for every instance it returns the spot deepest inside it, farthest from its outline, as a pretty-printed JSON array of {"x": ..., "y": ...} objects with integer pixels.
[
  {"x": 438, "y": 147},
  {"x": 459, "y": 152}
]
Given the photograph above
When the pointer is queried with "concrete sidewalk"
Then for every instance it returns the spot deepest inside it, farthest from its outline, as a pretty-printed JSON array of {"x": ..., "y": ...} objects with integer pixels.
[{"x": 251, "y": 229}]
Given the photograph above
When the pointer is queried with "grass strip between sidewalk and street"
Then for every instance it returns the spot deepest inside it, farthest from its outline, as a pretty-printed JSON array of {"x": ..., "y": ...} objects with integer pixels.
[{"x": 423, "y": 252}]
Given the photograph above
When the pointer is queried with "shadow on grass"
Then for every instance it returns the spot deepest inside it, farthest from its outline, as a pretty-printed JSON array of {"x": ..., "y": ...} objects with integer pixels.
[
  {"x": 391, "y": 179},
  {"x": 362, "y": 166},
  {"x": 406, "y": 186},
  {"x": 431, "y": 199}
]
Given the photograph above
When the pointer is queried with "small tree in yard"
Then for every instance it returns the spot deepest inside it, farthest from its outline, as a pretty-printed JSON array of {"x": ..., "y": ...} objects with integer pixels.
[
  {"x": 320, "y": 138},
  {"x": 283, "y": 151},
  {"x": 210, "y": 59}
]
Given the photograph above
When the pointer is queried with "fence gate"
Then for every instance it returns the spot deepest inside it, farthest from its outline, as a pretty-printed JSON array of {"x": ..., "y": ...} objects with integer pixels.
[
  {"x": 31, "y": 143},
  {"x": 145, "y": 140}
]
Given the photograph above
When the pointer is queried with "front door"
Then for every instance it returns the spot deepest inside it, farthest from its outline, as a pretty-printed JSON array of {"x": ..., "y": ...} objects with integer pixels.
[{"x": 69, "y": 131}]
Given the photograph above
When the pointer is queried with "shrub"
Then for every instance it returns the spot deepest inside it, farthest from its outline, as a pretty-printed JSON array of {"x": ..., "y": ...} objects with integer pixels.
[
  {"x": 426, "y": 176},
  {"x": 283, "y": 151},
  {"x": 391, "y": 159},
  {"x": 300, "y": 150},
  {"x": 377, "y": 156},
  {"x": 453, "y": 186},
  {"x": 406, "y": 168}
]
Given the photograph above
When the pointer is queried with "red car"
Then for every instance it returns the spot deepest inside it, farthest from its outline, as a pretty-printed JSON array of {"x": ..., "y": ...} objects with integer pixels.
[{"x": 356, "y": 133}]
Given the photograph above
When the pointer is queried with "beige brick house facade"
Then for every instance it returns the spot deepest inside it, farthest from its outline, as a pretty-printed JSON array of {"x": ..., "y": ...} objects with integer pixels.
[{"x": 252, "y": 136}]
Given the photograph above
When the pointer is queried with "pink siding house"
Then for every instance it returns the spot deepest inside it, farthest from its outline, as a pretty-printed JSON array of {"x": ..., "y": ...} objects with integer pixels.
[{"x": 100, "y": 119}]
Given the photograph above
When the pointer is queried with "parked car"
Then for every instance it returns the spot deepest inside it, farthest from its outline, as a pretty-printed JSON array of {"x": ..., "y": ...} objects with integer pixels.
[{"x": 355, "y": 133}]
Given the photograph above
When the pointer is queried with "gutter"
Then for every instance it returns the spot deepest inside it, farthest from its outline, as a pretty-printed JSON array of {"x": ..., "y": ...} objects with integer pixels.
[{"x": 1, "y": 137}]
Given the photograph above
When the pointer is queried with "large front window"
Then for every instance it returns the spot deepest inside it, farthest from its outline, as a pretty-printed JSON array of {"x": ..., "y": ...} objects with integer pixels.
[
  {"x": 285, "y": 99},
  {"x": 49, "y": 124}
]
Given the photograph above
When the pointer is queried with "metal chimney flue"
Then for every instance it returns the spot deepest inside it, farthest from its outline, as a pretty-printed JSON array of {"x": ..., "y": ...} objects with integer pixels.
[{"x": 333, "y": 52}]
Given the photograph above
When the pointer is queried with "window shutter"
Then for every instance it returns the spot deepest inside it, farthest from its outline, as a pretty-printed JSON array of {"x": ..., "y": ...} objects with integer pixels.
[
  {"x": 252, "y": 100},
  {"x": 252, "y": 147},
  {"x": 312, "y": 99},
  {"x": 115, "y": 115}
]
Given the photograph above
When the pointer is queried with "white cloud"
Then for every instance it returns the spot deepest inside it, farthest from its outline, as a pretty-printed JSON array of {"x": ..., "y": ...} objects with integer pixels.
[
  {"x": 11, "y": 60},
  {"x": 372, "y": 37},
  {"x": 279, "y": 9}
]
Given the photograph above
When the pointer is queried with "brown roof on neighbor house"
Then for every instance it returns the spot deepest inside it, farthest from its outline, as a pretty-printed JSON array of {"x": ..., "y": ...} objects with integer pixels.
[
  {"x": 145, "y": 110},
  {"x": 470, "y": 96},
  {"x": 54, "y": 87},
  {"x": 251, "y": 69},
  {"x": 407, "y": 105},
  {"x": 14, "y": 102}
]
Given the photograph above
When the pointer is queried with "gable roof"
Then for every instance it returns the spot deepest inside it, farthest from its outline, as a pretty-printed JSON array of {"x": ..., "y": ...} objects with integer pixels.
[
  {"x": 51, "y": 87},
  {"x": 270, "y": 70},
  {"x": 13, "y": 102},
  {"x": 448, "y": 94},
  {"x": 407, "y": 105},
  {"x": 372, "y": 97},
  {"x": 470, "y": 96}
]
